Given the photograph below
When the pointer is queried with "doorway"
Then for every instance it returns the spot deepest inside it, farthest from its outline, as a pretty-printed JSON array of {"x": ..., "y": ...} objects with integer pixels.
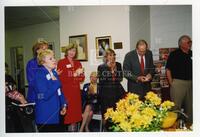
[{"x": 17, "y": 67}]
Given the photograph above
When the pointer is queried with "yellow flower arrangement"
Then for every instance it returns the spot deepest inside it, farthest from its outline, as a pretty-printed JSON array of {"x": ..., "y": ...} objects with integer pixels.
[{"x": 131, "y": 114}]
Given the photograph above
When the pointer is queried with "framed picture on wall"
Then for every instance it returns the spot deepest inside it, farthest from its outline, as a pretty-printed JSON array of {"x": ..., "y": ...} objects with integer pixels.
[
  {"x": 81, "y": 42},
  {"x": 102, "y": 43}
]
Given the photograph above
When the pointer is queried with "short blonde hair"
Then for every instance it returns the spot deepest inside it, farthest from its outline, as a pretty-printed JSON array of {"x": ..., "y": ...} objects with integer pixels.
[
  {"x": 42, "y": 54},
  {"x": 93, "y": 74},
  {"x": 37, "y": 46},
  {"x": 108, "y": 52},
  {"x": 70, "y": 46}
]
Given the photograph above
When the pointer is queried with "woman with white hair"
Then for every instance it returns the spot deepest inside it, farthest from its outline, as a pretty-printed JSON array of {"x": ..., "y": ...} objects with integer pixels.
[{"x": 49, "y": 99}]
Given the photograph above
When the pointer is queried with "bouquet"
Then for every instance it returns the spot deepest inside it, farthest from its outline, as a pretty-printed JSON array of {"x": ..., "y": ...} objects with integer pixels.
[{"x": 132, "y": 114}]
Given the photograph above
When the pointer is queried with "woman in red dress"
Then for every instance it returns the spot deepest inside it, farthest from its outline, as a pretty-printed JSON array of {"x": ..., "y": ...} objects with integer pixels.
[{"x": 71, "y": 74}]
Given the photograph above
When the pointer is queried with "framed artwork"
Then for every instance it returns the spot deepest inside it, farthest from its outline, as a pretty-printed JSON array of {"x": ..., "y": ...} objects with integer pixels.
[
  {"x": 81, "y": 42},
  {"x": 102, "y": 43}
]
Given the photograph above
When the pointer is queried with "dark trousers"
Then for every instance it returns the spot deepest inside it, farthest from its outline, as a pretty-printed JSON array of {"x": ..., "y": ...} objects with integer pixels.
[
  {"x": 13, "y": 120},
  {"x": 50, "y": 128},
  {"x": 13, "y": 123},
  {"x": 139, "y": 88}
]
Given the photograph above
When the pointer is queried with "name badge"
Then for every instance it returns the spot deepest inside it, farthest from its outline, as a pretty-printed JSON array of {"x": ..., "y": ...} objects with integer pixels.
[
  {"x": 59, "y": 92},
  {"x": 48, "y": 76},
  {"x": 68, "y": 65}
]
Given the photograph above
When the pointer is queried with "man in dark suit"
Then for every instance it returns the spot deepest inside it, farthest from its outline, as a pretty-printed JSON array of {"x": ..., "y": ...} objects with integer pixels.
[{"x": 138, "y": 69}]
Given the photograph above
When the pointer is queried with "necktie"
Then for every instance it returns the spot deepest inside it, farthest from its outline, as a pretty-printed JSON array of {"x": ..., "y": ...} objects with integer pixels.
[{"x": 142, "y": 65}]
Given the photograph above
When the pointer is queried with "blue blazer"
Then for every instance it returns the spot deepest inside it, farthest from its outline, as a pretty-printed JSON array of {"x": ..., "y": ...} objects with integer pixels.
[
  {"x": 31, "y": 69},
  {"x": 91, "y": 99},
  {"x": 49, "y": 98}
]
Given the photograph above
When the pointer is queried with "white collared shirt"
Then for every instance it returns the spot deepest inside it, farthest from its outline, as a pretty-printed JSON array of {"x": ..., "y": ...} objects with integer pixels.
[{"x": 139, "y": 57}]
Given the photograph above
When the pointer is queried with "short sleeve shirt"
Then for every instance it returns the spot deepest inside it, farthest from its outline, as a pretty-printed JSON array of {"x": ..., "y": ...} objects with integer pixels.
[{"x": 180, "y": 65}]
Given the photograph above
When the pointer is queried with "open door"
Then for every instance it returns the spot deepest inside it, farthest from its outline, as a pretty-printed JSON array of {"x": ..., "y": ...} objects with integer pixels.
[{"x": 17, "y": 66}]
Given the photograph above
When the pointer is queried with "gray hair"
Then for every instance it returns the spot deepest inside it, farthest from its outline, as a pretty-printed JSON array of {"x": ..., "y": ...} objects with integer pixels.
[{"x": 181, "y": 38}]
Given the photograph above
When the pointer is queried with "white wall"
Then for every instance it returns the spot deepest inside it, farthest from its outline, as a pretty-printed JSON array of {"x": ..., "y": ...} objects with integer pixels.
[
  {"x": 27, "y": 36},
  {"x": 96, "y": 21},
  {"x": 168, "y": 23},
  {"x": 139, "y": 24}
]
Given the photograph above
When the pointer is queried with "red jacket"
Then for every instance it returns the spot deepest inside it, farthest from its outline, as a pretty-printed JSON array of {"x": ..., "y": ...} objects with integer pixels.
[{"x": 71, "y": 89}]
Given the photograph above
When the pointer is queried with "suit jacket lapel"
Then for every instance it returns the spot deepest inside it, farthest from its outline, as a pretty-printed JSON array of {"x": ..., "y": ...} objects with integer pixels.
[
  {"x": 146, "y": 64},
  {"x": 136, "y": 61}
]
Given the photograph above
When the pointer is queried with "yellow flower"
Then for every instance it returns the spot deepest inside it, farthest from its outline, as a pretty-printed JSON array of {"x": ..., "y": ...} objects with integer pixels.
[
  {"x": 137, "y": 120},
  {"x": 121, "y": 105},
  {"x": 149, "y": 112},
  {"x": 131, "y": 110},
  {"x": 132, "y": 97},
  {"x": 131, "y": 114},
  {"x": 109, "y": 113},
  {"x": 125, "y": 126},
  {"x": 153, "y": 98},
  {"x": 167, "y": 104},
  {"x": 118, "y": 117}
]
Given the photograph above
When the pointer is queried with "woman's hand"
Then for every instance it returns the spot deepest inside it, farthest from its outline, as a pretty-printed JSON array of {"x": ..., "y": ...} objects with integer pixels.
[
  {"x": 59, "y": 71},
  {"x": 91, "y": 90},
  {"x": 53, "y": 77},
  {"x": 112, "y": 66},
  {"x": 63, "y": 111},
  {"x": 22, "y": 100},
  {"x": 78, "y": 72}
]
